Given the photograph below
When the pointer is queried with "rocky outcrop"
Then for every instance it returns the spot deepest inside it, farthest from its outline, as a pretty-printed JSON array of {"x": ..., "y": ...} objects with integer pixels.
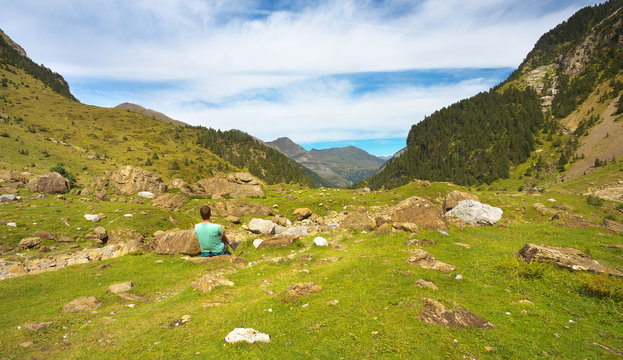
[
  {"x": 169, "y": 201},
  {"x": 453, "y": 197},
  {"x": 182, "y": 186},
  {"x": 82, "y": 304},
  {"x": 234, "y": 185},
  {"x": 358, "y": 221},
  {"x": 130, "y": 180},
  {"x": 177, "y": 242},
  {"x": 569, "y": 258},
  {"x": 51, "y": 183},
  {"x": 476, "y": 213},
  {"x": 302, "y": 289},
  {"x": 425, "y": 260},
  {"x": 434, "y": 312},
  {"x": 417, "y": 211}
]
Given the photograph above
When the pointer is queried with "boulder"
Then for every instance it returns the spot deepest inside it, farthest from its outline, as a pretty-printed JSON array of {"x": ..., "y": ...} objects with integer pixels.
[
  {"x": 82, "y": 304},
  {"x": 425, "y": 260},
  {"x": 177, "y": 242},
  {"x": 240, "y": 208},
  {"x": 146, "y": 194},
  {"x": 8, "y": 197},
  {"x": 233, "y": 219},
  {"x": 358, "y": 221},
  {"x": 405, "y": 226},
  {"x": 101, "y": 234},
  {"x": 30, "y": 242},
  {"x": 426, "y": 284},
  {"x": 569, "y": 258},
  {"x": 247, "y": 335},
  {"x": 168, "y": 201},
  {"x": 415, "y": 210},
  {"x": 92, "y": 217},
  {"x": 121, "y": 287},
  {"x": 434, "y": 312},
  {"x": 45, "y": 235},
  {"x": 130, "y": 180},
  {"x": 278, "y": 241},
  {"x": 302, "y": 213},
  {"x": 207, "y": 282},
  {"x": 50, "y": 183},
  {"x": 453, "y": 197},
  {"x": 476, "y": 213},
  {"x": 320, "y": 241},
  {"x": 234, "y": 185},
  {"x": 261, "y": 226},
  {"x": 182, "y": 186}
]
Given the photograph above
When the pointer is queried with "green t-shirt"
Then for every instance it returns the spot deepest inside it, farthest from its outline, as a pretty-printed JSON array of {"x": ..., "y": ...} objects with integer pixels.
[{"x": 209, "y": 236}]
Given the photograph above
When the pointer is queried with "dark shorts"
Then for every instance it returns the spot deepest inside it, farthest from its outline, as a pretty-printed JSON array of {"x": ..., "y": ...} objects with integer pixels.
[{"x": 210, "y": 253}]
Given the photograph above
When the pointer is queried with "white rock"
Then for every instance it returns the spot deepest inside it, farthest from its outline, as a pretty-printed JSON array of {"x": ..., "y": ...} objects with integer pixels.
[
  {"x": 257, "y": 242},
  {"x": 458, "y": 277},
  {"x": 92, "y": 217},
  {"x": 442, "y": 232},
  {"x": 246, "y": 334},
  {"x": 551, "y": 200},
  {"x": 476, "y": 213},
  {"x": 128, "y": 215},
  {"x": 146, "y": 194},
  {"x": 261, "y": 226},
  {"x": 296, "y": 230},
  {"x": 11, "y": 224},
  {"x": 320, "y": 241}
]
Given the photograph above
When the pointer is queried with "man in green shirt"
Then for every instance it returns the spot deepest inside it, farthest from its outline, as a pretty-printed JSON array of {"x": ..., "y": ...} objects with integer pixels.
[{"x": 212, "y": 238}]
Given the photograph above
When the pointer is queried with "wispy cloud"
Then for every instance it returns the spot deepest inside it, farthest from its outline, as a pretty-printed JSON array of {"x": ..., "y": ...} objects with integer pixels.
[{"x": 314, "y": 71}]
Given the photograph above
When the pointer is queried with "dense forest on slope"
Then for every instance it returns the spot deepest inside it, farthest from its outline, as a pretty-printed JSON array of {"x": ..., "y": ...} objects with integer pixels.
[
  {"x": 472, "y": 141},
  {"x": 12, "y": 54},
  {"x": 243, "y": 151}
]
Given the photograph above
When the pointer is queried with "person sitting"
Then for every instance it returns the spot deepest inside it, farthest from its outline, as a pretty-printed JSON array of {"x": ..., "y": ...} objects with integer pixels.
[{"x": 212, "y": 238}]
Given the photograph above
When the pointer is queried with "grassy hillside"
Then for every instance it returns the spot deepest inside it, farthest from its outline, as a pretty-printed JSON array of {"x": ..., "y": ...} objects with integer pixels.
[
  {"x": 351, "y": 163},
  {"x": 376, "y": 314}
]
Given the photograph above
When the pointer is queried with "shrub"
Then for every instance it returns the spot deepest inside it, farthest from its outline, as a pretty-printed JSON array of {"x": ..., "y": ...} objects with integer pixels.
[
  {"x": 517, "y": 267},
  {"x": 66, "y": 174},
  {"x": 594, "y": 200},
  {"x": 603, "y": 286}
]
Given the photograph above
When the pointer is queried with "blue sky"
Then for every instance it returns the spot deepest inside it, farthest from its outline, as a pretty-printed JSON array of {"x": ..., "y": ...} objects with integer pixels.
[{"x": 324, "y": 73}]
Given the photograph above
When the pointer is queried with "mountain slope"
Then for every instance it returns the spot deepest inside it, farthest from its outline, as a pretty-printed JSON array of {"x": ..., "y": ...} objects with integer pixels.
[
  {"x": 40, "y": 128},
  {"x": 339, "y": 167},
  {"x": 572, "y": 75},
  {"x": 156, "y": 115}
]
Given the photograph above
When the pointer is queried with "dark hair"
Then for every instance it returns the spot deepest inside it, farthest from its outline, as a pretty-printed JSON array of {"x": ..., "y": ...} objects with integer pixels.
[{"x": 205, "y": 212}]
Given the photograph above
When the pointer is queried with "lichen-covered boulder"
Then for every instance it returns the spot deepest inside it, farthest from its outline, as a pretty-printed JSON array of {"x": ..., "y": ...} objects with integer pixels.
[{"x": 51, "y": 183}]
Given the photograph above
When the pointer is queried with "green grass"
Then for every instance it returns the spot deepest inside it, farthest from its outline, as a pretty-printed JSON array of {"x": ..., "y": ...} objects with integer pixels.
[{"x": 370, "y": 278}]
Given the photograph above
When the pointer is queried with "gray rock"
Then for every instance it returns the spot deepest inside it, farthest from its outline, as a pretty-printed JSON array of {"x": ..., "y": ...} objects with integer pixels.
[
  {"x": 49, "y": 183},
  {"x": 146, "y": 194},
  {"x": 296, "y": 230},
  {"x": 320, "y": 241},
  {"x": 30, "y": 242},
  {"x": 7, "y": 197},
  {"x": 257, "y": 242},
  {"x": 261, "y": 226},
  {"x": 476, "y": 213},
  {"x": 92, "y": 217}
]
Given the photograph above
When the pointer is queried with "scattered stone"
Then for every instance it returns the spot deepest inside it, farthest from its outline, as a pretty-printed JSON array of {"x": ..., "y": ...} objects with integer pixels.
[
  {"x": 333, "y": 302},
  {"x": 18, "y": 269},
  {"x": 27, "y": 344},
  {"x": 426, "y": 284},
  {"x": 92, "y": 217},
  {"x": 383, "y": 229},
  {"x": 476, "y": 213},
  {"x": 302, "y": 213},
  {"x": 11, "y": 223},
  {"x": 132, "y": 297},
  {"x": 406, "y": 226},
  {"x": 302, "y": 289},
  {"x": 50, "y": 183},
  {"x": 278, "y": 241},
  {"x": 320, "y": 241},
  {"x": 434, "y": 312},
  {"x": 177, "y": 242},
  {"x": 247, "y": 335},
  {"x": 257, "y": 242},
  {"x": 261, "y": 226},
  {"x": 564, "y": 257},
  {"x": 128, "y": 215},
  {"x": 173, "y": 221},
  {"x": 458, "y": 277},
  {"x": 359, "y": 221},
  {"x": 146, "y": 194},
  {"x": 425, "y": 260},
  {"x": 108, "y": 320},
  {"x": 421, "y": 242},
  {"x": 207, "y": 282},
  {"x": 82, "y": 304},
  {"x": 121, "y": 287},
  {"x": 30, "y": 242},
  {"x": 44, "y": 235},
  {"x": 39, "y": 325},
  {"x": 467, "y": 246},
  {"x": 612, "y": 246},
  {"x": 453, "y": 197},
  {"x": 613, "y": 226},
  {"x": 102, "y": 266},
  {"x": 233, "y": 219},
  {"x": 7, "y": 197}
]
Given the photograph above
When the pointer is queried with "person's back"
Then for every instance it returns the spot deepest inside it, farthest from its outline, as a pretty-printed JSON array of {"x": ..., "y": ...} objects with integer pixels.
[{"x": 209, "y": 236}]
